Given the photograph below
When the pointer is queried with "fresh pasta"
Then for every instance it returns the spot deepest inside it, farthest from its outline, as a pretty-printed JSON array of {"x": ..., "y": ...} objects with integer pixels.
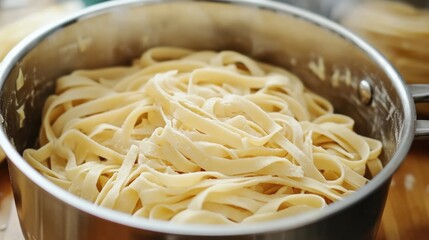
[{"x": 200, "y": 137}]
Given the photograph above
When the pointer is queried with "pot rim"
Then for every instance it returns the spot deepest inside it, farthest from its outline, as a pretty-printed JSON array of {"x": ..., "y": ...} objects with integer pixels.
[{"x": 403, "y": 145}]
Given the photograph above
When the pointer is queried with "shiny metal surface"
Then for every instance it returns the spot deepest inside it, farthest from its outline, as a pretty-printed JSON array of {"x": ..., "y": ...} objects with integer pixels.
[
  {"x": 365, "y": 91},
  {"x": 422, "y": 130},
  {"x": 116, "y": 32},
  {"x": 420, "y": 92}
]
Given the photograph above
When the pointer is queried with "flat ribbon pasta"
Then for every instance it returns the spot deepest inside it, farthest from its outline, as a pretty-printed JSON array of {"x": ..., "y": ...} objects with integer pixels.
[{"x": 200, "y": 137}]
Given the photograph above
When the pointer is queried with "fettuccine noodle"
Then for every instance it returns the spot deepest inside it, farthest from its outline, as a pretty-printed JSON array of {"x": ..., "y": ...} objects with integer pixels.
[{"x": 200, "y": 137}]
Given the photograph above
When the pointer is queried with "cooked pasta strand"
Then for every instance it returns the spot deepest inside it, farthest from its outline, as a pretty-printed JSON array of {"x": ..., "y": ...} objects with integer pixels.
[{"x": 200, "y": 137}]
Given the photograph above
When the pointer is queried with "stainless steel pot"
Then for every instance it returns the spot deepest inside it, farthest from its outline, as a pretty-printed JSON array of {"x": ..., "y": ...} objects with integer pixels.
[{"x": 116, "y": 32}]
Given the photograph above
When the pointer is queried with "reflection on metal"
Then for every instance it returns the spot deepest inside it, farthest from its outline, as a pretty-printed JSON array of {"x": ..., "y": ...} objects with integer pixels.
[{"x": 365, "y": 92}]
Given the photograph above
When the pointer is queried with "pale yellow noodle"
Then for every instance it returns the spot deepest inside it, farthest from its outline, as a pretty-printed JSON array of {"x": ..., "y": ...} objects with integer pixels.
[{"x": 200, "y": 137}]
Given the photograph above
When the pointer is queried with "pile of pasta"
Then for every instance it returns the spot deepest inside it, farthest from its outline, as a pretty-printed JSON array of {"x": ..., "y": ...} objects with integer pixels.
[
  {"x": 399, "y": 30},
  {"x": 200, "y": 137}
]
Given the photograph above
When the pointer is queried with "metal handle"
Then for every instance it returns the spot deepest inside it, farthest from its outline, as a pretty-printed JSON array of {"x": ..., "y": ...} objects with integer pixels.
[
  {"x": 420, "y": 93},
  {"x": 422, "y": 130}
]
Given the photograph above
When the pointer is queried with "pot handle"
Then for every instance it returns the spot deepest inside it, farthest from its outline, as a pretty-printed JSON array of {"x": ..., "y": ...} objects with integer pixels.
[{"x": 420, "y": 93}]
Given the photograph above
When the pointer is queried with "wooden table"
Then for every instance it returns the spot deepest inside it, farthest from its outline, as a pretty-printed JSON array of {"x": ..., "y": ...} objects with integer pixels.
[{"x": 406, "y": 214}]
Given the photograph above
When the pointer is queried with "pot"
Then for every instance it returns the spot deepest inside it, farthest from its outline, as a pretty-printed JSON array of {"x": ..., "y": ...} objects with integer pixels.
[{"x": 114, "y": 33}]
